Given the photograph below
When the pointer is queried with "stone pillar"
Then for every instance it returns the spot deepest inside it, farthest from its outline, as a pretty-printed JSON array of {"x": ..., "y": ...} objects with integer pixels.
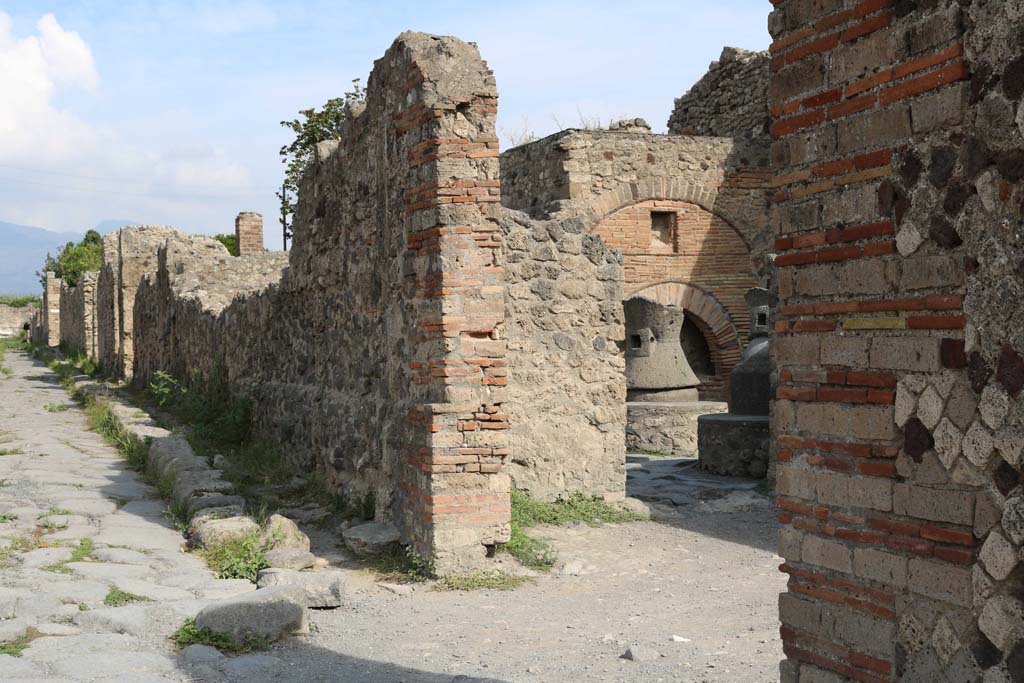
[
  {"x": 249, "y": 233},
  {"x": 51, "y": 306}
]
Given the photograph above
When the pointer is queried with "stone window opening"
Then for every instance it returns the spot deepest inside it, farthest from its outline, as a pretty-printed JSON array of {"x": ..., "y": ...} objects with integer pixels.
[
  {"x": 635, "y": 342},
  {"x": 697, "y": 348},
  {"x": 663, "y": 230}
]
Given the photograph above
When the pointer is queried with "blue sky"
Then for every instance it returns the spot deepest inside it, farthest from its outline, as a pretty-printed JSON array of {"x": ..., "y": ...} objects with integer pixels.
[{"x": 167, "y": 111}]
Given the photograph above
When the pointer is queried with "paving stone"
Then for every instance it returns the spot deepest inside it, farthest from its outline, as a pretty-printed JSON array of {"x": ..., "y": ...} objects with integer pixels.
[
  {"x": 978, "y": 444},
  {"x": 109, "y": 571},
  {"x": 323, "y": 588},
  {"x": 201, "y": 654},
  {"x": 130, "y": 619},
  {"x": 120, "y": 556},
  {"x": 271, "y": 612},
  {"x": 251, "y": 665},
  {"x": 130, "y": 665}
]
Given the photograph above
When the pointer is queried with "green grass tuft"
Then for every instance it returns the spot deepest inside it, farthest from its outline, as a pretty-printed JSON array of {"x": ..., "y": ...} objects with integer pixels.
[
  {"x": 119, "y": 598},
  {"x": 528, "y": 512},
  {"x": 189, "y": 634},
  {"x": 239, "y": 558},
  {"x": 17, "y": 646},
  {"x": 80, "y": 553},
  {"x": 402, "y": 565}
]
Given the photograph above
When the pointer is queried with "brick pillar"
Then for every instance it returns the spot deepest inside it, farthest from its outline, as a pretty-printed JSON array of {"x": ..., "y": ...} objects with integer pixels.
[
  {"x": 456, "y": 494},
  {"x": 51, "y": 306},
  {"x": 249, "y": 233},
  {"x": 897, "y": 439}
]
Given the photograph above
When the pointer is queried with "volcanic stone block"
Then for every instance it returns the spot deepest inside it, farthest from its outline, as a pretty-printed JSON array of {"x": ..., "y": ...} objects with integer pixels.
[{"x": 735, "y": 445}]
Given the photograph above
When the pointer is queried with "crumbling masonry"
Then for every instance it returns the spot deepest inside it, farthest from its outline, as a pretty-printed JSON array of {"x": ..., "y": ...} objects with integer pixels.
[{"x": 448, "y": 322}]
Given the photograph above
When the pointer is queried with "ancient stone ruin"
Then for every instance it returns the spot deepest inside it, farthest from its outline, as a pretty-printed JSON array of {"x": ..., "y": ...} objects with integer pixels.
[
  {"x": 738, "y": 443},
  {"x": 450, "y": 320}
]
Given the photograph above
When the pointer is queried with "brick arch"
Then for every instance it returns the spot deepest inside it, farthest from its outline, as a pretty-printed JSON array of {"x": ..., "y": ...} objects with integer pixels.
[
  {"x": 711, "y": 317},
  {"x": 664, "y": 189}
]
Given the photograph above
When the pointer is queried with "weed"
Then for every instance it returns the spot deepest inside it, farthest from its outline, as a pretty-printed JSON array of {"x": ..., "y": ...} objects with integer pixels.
[
  {"x": 80, "y": 553},
  {"x": 238, "y": 558},
  {"x": 4, "y": 518},
  {"x": 402, "y": 566},
  {"x": 178, "y": 514},
  {"x": 528, "y": 512},
  {"x": 119, "y": 598},
  {"x": 190, "y": 634},
  {"x": 17, "y": 646},
  {"x": 54, "y": 511},
  {"x": 56, "y": 407},
  {"x": 11, "y": 451},
  {"x": 481, "y": 581},
  {"x": 103, "y": 421}
]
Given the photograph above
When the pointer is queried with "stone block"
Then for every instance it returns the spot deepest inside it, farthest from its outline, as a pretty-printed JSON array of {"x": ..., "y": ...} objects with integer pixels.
[
  {"x": 268, "y": 613},
  {"x": 881, "y": 566},
  {"x": 936, "y": 503},
  {"x": 917, "y": 354},
  {"x": 323, "y": 589},
  {"x": 800, "y": 349},
  {"x": 876, "y": 127},
  {"x": 1002, "y": 621},
  {"x": 825, "y": 553},
  {"x": 846, "y": 351},
  {"x": 940, "y": 580},
  {"x": 999, "y": 556},
  {"x": 371, "y": 539}
]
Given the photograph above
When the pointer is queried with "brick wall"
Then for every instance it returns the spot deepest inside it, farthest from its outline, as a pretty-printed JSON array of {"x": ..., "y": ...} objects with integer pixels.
[
  {"x": 897, "y": 428},
  {"x": 249, "y": 233},
  {"x": 702, "y": 250}
]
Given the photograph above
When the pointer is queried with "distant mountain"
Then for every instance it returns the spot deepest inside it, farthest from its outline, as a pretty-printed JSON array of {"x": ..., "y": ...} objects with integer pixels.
[{"x": 23, "y": 250}]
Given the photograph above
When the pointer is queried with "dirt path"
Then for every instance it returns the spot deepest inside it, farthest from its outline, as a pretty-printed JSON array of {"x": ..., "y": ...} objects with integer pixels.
[{"x": 693, "y": 594}]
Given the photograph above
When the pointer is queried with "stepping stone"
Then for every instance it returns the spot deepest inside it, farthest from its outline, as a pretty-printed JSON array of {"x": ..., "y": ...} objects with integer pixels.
[
  {"x": 322, "y": 588},
  {"x": 271, "y": 612},
  {"x": 250, "y": 665},
  {"x": 44, "y": 556},
  {"x": 290, "y": 558}
]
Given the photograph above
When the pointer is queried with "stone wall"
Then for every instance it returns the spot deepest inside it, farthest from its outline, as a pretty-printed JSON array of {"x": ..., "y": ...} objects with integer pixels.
[
  {"x": 568, "y": 387},
  {"x": 13, "y": 320},
  {"x": 129, "y": 255},
  {"x": 378, "y": 359},
  {"x": 78, "y": 316},
  {"x": 898, "y": 424},
  {"x": 51, "y": 310},
  {"x": 108, "y": 349},
  {"x": 178, "y": 326},
  {"x": 730, "y": 101}
]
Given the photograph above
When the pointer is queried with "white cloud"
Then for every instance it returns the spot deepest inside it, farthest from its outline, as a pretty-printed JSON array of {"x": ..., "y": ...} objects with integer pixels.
[{"x": 49, "y": 154}]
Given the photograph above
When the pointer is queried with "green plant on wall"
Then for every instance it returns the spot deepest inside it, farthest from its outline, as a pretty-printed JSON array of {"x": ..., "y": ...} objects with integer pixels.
[
  {"x": 312, "y": 127},
  {"x": 230, "y": 242},
  {"x": 74, "y": 259}
]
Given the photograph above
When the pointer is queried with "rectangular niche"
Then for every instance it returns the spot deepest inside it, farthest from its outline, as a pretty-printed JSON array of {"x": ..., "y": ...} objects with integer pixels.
[{"x": 663, "y": 231}]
